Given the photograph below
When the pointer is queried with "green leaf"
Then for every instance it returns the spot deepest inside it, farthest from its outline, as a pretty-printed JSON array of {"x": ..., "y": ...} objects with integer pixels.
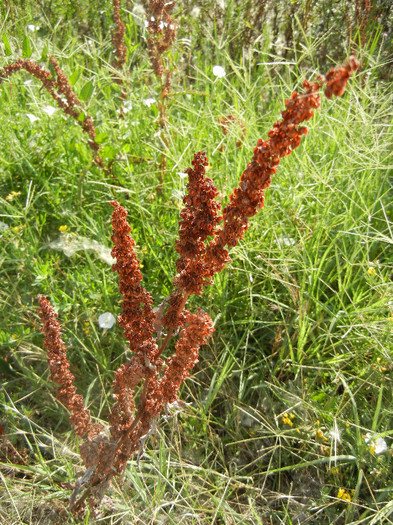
[
  {"x": 74, "y": 77},
  {"x": 82, "y": 116},
  {"x": 44, "y": 54},
  {"x": 8, "y": 49},
  {"x": 26, "y": 48},
  {"x": 108, "y": 152},
  {"x": 87, "y": 91},
  {"x": 52, "y": 69},
  {"x": 101, "y": 137}
]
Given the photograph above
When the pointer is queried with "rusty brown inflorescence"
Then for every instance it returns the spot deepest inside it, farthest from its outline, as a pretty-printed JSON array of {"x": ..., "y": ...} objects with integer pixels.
[
  {"x": 118, "y": 33},
  {"x": 105, "y": 453}
]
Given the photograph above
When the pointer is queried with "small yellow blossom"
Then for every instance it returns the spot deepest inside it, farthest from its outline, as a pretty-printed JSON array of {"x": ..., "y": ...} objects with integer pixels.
[
  {"x": 87, "y": 323},
  {"x": 63, "y": 228},
  {"x": 16, "y": 229},
  {"x": 344, "y": 495},
  {"x": 372, "y": 271},
  {"x": 10, "y": 196},
  {"x": 292, "y": 415},
  {"x": 285, "y": 419},
  {"x": 319, "y": 434}
]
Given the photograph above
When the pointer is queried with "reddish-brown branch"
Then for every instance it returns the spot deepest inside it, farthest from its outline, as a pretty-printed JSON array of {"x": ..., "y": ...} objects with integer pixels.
[
  {"x": 60, "y": 369},
  {"x": 118, "y": 39},
  {"x": 163, "y": 31},
  {"x": 248, "y": 198}
]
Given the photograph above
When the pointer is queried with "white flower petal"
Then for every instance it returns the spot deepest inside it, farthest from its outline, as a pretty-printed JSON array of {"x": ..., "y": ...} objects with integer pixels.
[
  {"x": 127, "y": 106},
  {"x": 219, "y": 71},
  {"x": 49, "y": 110},
  {"x": 31, "y": 117},
  {"x": 149, "y": 101},
  {"x": 182, "y": 175},
  {"x": 379, "y": 444},
  {"x": 288, "y": 241},
  {"x": 106, "y": 320}
]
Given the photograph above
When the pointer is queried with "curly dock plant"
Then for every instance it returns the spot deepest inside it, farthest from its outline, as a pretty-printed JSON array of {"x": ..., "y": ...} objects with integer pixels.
[{"x": 205, "y": 237}]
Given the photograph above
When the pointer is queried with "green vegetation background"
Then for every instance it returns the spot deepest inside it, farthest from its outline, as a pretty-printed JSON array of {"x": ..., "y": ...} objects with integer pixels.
[{"x": 300, "y": 367}]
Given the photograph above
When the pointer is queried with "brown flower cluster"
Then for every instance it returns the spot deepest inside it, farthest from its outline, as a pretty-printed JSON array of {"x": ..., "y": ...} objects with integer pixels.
[
  {"x": 137, "y": 321},
  {"x": 199, "y": 218},
  {"x": 60, "y": 370},
  {"x": 198, "y": 329},
  {"x": 337, "y": 78},
  {"x": 118, "y": 39},
  {"x": 248, "y": 198},
  {"x": 163, "y": 31},
  {"x": 60, "y": 90},
  {"x": 106, "y": 455}
]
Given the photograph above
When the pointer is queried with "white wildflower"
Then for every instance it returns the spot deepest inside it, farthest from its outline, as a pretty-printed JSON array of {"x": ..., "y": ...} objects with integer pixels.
[
  {"x": 106, "y": 320},
  {"x": 127, "y": 106},
  {"x": 219, "y": 71},
  {"x": 377, "y": 445},
  {"x": 31, "y": 117},
  {"x": 49, "y": 110},
  {"x": 149, "y": 101}
]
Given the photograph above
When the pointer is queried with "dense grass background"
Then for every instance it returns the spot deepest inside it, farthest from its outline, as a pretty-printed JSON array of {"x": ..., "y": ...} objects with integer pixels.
[{"x": 300, "y": 367}]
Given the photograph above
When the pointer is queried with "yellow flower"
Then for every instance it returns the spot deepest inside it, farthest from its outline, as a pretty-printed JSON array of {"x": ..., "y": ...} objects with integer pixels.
[
  {"x": 63, "y": 228},
  {"x": 372, "y": 271},
  {"x": 319, "y": 434},
  {"x": 285, "y": 419},
  {"x": 10, "y": 196},
  {"x": 344, "y": 495}
]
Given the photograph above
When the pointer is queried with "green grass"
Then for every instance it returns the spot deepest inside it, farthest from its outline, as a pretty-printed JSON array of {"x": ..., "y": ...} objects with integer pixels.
[{"x": 303, "y": 314}]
